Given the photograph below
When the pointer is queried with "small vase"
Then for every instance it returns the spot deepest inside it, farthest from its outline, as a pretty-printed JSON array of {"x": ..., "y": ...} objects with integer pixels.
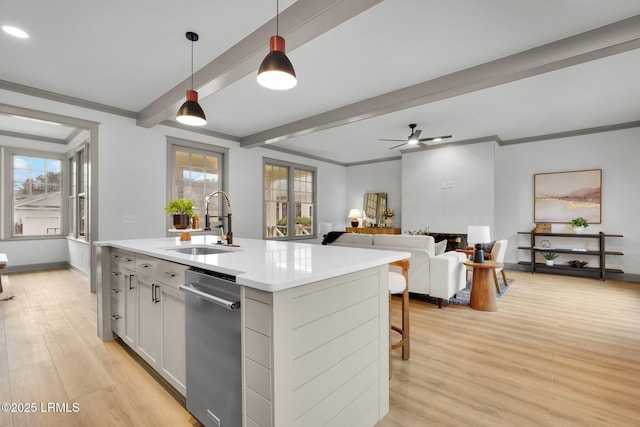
[
  {"x": 388, "y": 222},
  {"x": 578, "y": 230},
  {"x": 549, "y": 262}
]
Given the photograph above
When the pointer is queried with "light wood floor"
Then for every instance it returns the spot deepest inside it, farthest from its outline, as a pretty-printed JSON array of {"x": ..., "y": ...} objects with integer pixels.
[{"x": 560, "y": 351}]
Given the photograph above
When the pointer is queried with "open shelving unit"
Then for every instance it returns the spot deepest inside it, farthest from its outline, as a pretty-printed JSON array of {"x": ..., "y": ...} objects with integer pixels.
[{"x": 601, "y": 253}]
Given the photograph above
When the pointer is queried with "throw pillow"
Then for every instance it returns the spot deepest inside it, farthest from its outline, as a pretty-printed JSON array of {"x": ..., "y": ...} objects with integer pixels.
[
  {"x": 489, "y": 246},
  {"x": 441, "y": 246}
]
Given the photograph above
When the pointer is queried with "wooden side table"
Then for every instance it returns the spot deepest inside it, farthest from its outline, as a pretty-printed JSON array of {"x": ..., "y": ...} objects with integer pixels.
[{"x": 483, "y": 292}]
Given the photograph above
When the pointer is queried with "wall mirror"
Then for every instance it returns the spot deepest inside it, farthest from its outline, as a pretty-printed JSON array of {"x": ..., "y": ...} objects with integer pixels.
[{"x": 374, "y": 205}]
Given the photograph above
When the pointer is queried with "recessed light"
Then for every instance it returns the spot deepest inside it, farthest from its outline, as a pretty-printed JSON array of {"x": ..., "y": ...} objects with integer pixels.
[{"x": 15, "y": 32}]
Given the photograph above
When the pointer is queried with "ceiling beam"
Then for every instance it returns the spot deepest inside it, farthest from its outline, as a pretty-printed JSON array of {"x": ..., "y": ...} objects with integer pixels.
[
  {"x": 608, "y": 40},
  {"x": 303, "y": 21}
]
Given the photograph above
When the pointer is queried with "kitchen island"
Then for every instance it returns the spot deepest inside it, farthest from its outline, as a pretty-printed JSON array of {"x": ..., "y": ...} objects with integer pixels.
[{"x": 315, "y": 321}]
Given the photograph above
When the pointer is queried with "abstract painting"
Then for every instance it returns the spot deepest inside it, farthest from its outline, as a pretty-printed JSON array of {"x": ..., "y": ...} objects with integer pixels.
[{"x": 561, "y": 196}]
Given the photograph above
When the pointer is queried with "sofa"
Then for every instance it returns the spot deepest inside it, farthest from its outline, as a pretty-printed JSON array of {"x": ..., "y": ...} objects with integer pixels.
[{"x": 439, "y": 276}]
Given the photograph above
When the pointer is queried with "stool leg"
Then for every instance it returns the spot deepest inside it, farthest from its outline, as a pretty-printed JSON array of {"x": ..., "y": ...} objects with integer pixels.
[{"x": 406, "y": 347}]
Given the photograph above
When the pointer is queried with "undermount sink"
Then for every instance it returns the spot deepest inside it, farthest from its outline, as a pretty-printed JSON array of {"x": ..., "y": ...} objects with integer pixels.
[{"x": 200, "y": 250}]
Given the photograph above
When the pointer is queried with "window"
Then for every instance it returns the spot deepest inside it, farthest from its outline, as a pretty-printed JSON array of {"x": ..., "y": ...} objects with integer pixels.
[
  {"x": 36, "y": 196},
  {"x": 196, "y": 170},
  {"x": 289, "y": 200},
  {"x": 78, "y": 190}
]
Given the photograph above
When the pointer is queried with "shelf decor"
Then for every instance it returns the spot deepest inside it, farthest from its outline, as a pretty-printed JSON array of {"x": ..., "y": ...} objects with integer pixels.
[
  {"x": 545, "y": 247},
  {"x": 561, "y": 196}
]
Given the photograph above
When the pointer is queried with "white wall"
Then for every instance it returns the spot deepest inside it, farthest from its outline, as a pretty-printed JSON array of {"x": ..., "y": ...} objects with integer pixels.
[
  {"x": 616, "y": 153},
  {"x": 132, "y": 181},
  {"x": 380, "y": 177},
  {"x": 449, "y": 188}
]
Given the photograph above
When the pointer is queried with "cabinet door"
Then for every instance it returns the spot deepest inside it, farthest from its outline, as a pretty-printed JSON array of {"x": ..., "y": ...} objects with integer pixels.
[
  {"x": 173, "y": 338},
  {"x": 148, "y": 346},
  {"x": 130, "y": 310}
]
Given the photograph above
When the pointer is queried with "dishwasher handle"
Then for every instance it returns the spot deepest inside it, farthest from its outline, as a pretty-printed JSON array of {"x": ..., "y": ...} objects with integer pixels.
[{"x": 231, "y": 305}]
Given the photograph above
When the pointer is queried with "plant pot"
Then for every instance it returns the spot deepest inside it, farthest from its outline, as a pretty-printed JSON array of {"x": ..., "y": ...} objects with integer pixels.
[
  {"x": 549, "y": 262},
  {"x": 388, "y": 222},
  {"x": 578, "y": 230},
  {"x": 180, "y": 221}
]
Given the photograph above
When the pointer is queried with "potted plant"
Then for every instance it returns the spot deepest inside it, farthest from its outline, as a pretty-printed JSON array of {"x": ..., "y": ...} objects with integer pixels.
[
  {"x": 182, "y": 211},
  {"x": 549, "y": 257},
  {"x": 579, "y": 224}
]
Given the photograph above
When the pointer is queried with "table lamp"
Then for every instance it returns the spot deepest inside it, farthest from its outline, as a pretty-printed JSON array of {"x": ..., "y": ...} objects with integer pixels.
[
  {"x": 478, "y": 234},
  {"x": 354, "y": 215}
]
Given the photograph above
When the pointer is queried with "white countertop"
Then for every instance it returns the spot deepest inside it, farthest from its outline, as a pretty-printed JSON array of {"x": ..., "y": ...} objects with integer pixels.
[{"x": 265, "y": 264}]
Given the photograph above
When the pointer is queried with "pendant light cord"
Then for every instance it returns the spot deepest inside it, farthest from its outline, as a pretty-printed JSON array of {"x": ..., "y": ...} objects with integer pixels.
[
  {"x": 191, "y": 64},
  {"x": 277, "y": 13}
]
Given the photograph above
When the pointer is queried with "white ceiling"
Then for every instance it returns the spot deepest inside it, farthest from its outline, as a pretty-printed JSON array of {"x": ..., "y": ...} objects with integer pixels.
[{"x": 133, "y": 56}]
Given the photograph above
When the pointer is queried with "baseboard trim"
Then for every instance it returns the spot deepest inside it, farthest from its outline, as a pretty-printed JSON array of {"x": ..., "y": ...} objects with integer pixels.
[{"x": 35, "y": 267}]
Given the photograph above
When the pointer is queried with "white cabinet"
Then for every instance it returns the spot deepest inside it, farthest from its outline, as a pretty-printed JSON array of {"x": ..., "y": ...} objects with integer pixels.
[
  {"x": 149, "y": 327},
  {"x": 119, "y": 275},
  {"x": 130, "y": 333},
  {"x": 173, "y": 356},
  {"x": 155, "y": 323}
]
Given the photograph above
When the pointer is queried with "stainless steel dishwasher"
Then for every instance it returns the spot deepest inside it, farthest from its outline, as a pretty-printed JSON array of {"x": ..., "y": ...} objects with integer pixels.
[{"x": 214, "y": 393}]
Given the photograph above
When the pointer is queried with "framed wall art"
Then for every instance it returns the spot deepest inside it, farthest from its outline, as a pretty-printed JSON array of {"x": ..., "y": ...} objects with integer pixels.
[{"x": 561, "y": 196}]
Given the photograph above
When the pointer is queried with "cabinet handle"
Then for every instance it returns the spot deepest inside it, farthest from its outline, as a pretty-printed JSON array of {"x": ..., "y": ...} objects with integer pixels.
[
  {"x": 170, "y": 274},
  {"x": 116, "y": 317},
  {"x": 154, "y": 294},
  {"x": 115, "y": 290},
  {"x": 130, "y": 281},
  {"x": 114, "y": 256},
  {"x": 126, "y": 259},
  {"x": 145, "y": 265},
  {"x": 115, "y": 273}
]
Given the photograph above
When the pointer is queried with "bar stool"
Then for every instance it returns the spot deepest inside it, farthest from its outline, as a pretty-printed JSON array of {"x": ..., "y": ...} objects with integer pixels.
[{"x": 399, "y": 284}]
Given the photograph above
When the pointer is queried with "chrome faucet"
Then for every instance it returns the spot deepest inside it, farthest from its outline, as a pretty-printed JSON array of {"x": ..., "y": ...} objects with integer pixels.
[{"x": 207, "y": 223}]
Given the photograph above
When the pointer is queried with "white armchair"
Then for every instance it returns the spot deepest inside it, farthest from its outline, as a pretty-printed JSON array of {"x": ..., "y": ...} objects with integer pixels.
[
  {"x": 448, "y": 275},
  {"x": 497, "y": 254}
]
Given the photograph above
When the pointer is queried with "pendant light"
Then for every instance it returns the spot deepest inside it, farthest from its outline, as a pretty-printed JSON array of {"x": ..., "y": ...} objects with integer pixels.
[
  {"x": 276, "y": 71},
  {"x": 191, "y": 113}
]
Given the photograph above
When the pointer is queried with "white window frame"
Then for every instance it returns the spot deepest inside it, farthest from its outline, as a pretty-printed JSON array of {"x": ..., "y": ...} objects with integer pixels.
[
  {"x": 8, "y": 232},
  {"x": 291, "y": 205},
  {"x": 177, "y": 144},
  {"x": 75, "y": 193}
]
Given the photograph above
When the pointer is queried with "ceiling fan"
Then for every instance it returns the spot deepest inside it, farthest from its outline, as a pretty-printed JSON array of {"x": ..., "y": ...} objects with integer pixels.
[{"x": 414, "y": 138}]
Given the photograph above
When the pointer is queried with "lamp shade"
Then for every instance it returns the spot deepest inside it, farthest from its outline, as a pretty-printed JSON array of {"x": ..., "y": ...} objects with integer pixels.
[
  {"x": 355, "y": 213},
  {"x": 478, "y": 234},
  {"x": 190, "y": 113},
  {"x": 276, "y": 71}
]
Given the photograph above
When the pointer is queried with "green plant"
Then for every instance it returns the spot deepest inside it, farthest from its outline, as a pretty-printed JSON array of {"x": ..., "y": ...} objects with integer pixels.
[
  {"x": 180, "y": 206},
  {"x": 388, "y": 213},
  {"x": 281, "y": 221},
  {"x": 421, "y": 232},
  {"x": 550, "y": 255},
  {"x": 579, "y": 222},
  {"x": 303, "y": 220}
]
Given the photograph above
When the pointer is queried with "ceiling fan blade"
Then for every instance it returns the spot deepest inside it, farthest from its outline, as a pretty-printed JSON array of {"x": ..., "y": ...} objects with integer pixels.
[
  {"x": 393, "y": 140},
  {"x": 417, "y": 133},
  {"x": 435, "y": 137},
  {"x": 397, "y": 146}
]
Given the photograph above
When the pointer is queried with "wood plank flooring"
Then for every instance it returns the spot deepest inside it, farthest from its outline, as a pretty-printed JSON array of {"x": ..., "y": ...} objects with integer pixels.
[{"x": 560, "y": 351}]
